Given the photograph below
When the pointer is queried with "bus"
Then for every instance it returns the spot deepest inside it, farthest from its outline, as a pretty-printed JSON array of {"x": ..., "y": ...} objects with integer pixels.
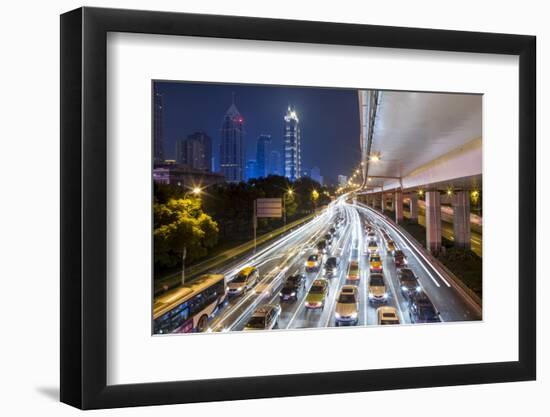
[{"x": 189, "y": 308}]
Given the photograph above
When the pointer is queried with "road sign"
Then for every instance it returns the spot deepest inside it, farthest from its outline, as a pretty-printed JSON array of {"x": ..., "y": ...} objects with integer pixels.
[{"x": 269, "y": 207}]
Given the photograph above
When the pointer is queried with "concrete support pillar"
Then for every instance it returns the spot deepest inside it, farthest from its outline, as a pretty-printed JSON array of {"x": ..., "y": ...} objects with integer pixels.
[
  {"x": 379, "y": 202},
  {"x": 433, "y": 222},
  {"x": 413, "y": 207},
  {"x": 398, "y": 206},
  {"x": 461, "y": 220}
]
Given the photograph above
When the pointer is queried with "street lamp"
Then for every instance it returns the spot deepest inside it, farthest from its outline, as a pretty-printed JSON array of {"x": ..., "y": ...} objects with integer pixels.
[
  {"x": 196, "y": 190},
  {"x": 290, "y": 192}
]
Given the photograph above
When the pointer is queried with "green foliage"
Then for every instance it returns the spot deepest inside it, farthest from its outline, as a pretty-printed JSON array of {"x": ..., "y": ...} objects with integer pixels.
[
  {"x": 231, "y": 205},
  {"x": 466, "y": 265},
  {"x": 179, "y": 223}
]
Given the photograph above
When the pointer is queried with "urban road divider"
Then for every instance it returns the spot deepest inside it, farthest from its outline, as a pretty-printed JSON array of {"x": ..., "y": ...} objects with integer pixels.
[{"x": 431, "y": 261}]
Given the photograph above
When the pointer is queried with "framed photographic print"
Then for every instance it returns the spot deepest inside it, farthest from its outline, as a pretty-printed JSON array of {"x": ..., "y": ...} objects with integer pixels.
[{"x": 258, "y": 207}]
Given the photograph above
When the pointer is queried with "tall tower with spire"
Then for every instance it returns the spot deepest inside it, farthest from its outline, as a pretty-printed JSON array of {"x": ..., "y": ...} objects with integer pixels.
[
  {"x": 293, "y": 157},
  {"x": 232, "y": 145}
]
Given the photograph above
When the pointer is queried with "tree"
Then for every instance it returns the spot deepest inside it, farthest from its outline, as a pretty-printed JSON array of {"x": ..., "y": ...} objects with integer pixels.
[{"x": 180, "y": 223}]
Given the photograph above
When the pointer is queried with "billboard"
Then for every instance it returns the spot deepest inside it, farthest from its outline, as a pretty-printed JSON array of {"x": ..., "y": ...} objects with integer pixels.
[{"x": 269, "y": 207}]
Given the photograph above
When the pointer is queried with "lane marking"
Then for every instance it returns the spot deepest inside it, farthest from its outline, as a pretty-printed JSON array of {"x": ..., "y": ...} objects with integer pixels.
[{"x": 413, "y": 250}]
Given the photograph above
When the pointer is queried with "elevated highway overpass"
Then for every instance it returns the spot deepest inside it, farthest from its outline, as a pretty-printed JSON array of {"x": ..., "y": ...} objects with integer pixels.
[{"x": 427, "y": 146}]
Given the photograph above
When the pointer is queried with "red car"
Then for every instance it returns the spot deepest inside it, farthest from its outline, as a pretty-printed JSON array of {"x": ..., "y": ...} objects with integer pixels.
[{"x": 399, "y": 259}]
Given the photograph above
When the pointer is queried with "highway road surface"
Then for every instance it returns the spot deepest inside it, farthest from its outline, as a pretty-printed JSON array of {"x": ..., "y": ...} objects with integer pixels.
[{"x": 287, "y": 256}]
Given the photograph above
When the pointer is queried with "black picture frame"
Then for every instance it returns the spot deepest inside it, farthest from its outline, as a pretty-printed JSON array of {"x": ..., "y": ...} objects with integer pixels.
[{"x": 84, "y": 207}]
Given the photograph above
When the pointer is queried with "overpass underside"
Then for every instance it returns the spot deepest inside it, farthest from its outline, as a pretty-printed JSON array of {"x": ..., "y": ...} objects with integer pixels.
[{"x": 425, "y": 146}]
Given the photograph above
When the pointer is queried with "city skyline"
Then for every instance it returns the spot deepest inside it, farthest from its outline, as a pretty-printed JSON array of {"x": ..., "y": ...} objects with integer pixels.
[{"x": 326, "y": 115}]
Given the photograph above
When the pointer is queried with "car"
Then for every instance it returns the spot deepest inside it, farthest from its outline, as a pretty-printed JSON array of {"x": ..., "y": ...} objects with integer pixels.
[
  {"x": 377, "y": 288},
  {"x": 375, "y": 263},
  {"x": 313, "y": 263},
  {"x": 265, "y": 317},
  {"x": 243, "y": 281},
  {"x": 328, "y": 238},
  {"x": 346, "y": 310},
  {"x": 408, "y": 283},
  {"x": 371, "y": 235},
  {"x": 332, "y": 231},
  {"x": 387, "y": 315},
  {"x": 331, "y": 267},
  {"x": 372, "y": 246},
  {"x": 406, "y": 272},
  {"x": 390, "y": 246},
  {"x": 353, "y": 271},
  {"x": 322, "y": 246},
  {"x": 293, "y": 285},
  {"x": 399, "y": 259},
  {"x": 368, "y": 229},
  {"x": 317, "y": 295},
  {"x": 422, "y": 310}
]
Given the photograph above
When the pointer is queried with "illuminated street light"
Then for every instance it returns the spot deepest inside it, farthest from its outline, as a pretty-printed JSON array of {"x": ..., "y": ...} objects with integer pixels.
[
  {"x": 375, "y": 157},
  {"x": 196, "y": 190},
  {"x": 420, "y": 193},
  {"x": 314, "y": 194}
]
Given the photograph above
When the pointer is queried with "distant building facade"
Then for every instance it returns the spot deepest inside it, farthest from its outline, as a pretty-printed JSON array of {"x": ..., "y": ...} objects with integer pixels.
[
  {"x": 292, "y": 146},
  {"x": 262, "y": 156},
  {"x": 185, "y": 176},
  {"x": 342, "y": 180},
  {"x": 195, "y": 151},
  {"x": 251, "y": 169},
  {"x": 275, "y": 163},
  {"x": 232, "y": 145},
  {"x": 316, "y": 175},
  {"x": 158, "y": 129}
]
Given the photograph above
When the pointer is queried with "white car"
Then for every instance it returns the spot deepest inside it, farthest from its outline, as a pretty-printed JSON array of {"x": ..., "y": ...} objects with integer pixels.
[
  {"x": 244, "y": 281},
  {"x": 347, "y": 306},
  {"x": 387, "y": 315},
  {"x": 265, "y": 317}
]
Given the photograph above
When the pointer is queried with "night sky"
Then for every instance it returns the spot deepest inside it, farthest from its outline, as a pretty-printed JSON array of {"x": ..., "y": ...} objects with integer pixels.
[{"x": 329, "y": 120}]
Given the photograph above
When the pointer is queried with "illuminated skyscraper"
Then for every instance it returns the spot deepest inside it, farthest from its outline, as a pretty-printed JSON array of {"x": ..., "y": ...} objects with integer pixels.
[
  {"x": 262, "y": 156},
  {"x": 293, "y": 161},
  {"x": 158, "y": 129},
  {"x": 232, "y": 146}
]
